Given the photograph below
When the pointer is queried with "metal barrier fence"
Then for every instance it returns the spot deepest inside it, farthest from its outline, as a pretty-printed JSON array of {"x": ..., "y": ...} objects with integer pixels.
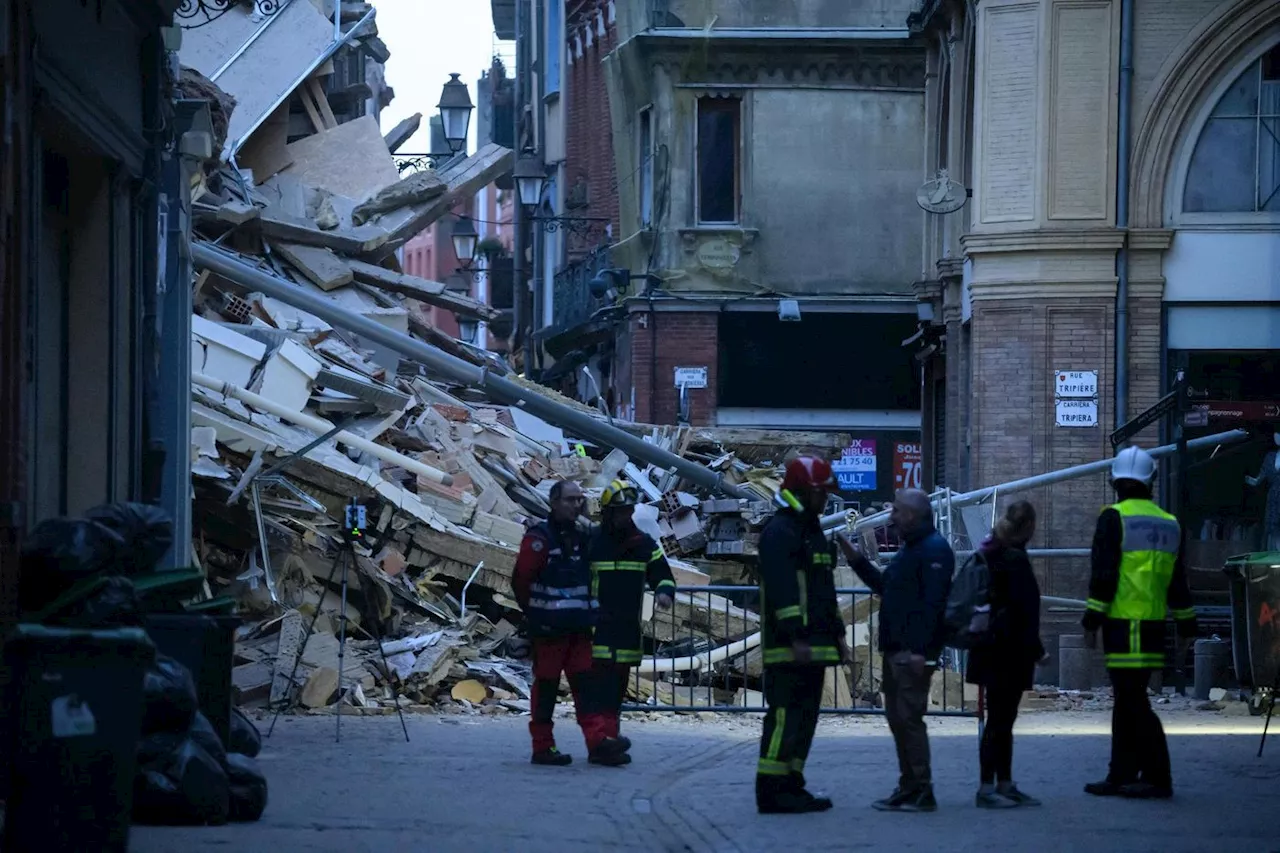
[{"x": 705, "y": 654}]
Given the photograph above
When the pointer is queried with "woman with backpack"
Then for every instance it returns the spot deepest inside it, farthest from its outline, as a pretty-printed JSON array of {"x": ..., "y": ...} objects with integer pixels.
[{"x": 1003, "y": 660}]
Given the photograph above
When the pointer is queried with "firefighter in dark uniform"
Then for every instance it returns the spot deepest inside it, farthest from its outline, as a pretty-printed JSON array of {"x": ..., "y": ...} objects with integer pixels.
[
  {"x": 624, "y": 560},
  {"x": 802, "y": 634},
  {"x": 1138, "y": 578},
  {"x": 552, "y": 584}
]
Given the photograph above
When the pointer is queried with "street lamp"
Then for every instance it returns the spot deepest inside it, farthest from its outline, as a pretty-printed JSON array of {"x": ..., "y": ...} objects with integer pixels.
[
  {"x": 467, "y": 330},
  {"x": 455, "y": 112},
  {"x": 465, "y": 240},
  {"x": 531, "y": 176}
]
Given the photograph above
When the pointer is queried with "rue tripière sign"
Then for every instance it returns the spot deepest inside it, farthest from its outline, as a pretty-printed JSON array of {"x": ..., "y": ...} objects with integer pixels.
[{"x": 1075, "y": 397}]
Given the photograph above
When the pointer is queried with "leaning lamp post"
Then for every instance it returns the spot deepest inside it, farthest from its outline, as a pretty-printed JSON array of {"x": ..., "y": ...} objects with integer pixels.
[{"x": 455, "y": 112}]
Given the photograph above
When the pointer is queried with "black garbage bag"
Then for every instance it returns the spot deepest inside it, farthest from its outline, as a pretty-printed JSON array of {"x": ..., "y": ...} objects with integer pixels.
[
  {"x": 202, "y": 732},
  {"x": 116, "y": 605},
  {"x": 191, "y": 789},
  {"x": 58, "y": 553},
  {"x": 156, "y": 799},
  {"x": 248, "y": 788},
  {"x": 144, "y": 531},
  {"x": 245, "y": 738},
  {"x": 169, "y": 700},
  {"x": 155, "y": 751}
]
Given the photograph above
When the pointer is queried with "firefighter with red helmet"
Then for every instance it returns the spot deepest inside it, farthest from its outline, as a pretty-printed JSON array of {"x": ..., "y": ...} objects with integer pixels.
[
  {"x": 802, "y": 634},
  {"x": 624, "y": 560}
]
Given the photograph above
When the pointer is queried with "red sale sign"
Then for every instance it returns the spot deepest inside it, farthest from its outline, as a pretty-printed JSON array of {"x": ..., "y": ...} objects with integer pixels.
[{"x": 908, "y": 464}]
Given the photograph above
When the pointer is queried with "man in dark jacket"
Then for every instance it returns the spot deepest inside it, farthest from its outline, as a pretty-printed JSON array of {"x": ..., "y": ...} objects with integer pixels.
[
  {"x": 913, "y": 601},
  {"x": 552, "y": 585},
  {"x": 624, "y": 560},
  {"x": 1138, "y": 578},
  {"x": 802, "y": 634}
]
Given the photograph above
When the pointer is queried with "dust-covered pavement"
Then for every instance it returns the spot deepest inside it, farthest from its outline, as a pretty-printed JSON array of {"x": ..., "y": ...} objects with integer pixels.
[{"x": 465, "y": 784}]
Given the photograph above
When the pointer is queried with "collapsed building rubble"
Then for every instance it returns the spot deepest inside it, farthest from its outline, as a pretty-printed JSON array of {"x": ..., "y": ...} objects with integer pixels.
[{"x": 293, "y": 415}]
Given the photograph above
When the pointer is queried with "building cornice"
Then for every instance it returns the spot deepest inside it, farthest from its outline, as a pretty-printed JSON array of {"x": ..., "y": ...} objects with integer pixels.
[
  {"x": 987, "y": 291},
  {"x": 707, "y": 301},
  {"x": 868, "y": 66},
  {"x": 1150, "y": 239},
  {"x": 950, "y": 267},
  {"x": 775, "y": 34},
  {"x": 1064, "y": 240}
]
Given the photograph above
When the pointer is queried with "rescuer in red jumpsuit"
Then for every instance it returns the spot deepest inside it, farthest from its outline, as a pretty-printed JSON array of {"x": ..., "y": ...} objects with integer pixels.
[{"x": 552, "y": 583}]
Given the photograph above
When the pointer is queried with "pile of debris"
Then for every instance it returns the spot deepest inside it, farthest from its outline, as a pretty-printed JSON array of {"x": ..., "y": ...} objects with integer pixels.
[{"x": 293, "y": 417}]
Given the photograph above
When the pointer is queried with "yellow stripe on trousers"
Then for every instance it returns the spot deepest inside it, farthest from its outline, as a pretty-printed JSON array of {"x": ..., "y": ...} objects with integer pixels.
[{"x": 775, "y": 742}]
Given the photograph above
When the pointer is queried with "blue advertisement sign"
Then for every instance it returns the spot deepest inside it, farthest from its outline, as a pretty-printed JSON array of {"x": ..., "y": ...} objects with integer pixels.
[{"x": 855, "y": 470}]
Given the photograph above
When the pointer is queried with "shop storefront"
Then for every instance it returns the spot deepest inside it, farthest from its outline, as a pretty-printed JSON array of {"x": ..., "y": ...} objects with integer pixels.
[
  {"x": 1222, "y": 301},
  {"x": 1227, "y": 504}
]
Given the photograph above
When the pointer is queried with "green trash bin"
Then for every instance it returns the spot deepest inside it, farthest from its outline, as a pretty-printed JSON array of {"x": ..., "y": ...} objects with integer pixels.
[
  {"x": 206, "y": 645},
  {"x": 72, "y": 717},
  {"x": 1255, "y": 618}
]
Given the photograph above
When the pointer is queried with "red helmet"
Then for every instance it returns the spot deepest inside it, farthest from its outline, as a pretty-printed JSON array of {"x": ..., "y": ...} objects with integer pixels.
[{"x": 809, "y": 472}]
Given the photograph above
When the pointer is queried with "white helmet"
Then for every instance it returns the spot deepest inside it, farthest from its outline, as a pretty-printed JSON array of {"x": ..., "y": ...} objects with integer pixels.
[{"x": 1134, "y": 463}]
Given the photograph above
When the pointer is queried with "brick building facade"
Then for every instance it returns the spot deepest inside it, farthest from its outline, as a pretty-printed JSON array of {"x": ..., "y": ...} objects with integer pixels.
[
  {"x": 651, "y": 107},
  {"x": 1059, "y": 263},
  {"x": 589, "y": 173}
]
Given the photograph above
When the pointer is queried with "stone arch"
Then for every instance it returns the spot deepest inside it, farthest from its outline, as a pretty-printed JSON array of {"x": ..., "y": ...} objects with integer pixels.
[{"x": 1198, "y": 62}]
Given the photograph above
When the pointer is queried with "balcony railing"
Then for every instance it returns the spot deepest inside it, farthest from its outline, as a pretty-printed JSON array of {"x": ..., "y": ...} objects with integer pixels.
[{"x": 572, "y": 302}]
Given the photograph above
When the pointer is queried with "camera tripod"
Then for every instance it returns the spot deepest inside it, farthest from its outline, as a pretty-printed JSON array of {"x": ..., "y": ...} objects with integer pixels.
[{"x": 353, "y": 532}]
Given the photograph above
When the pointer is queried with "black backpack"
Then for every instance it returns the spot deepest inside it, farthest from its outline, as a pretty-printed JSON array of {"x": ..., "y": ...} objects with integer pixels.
[{"x": 968, "y": 615}]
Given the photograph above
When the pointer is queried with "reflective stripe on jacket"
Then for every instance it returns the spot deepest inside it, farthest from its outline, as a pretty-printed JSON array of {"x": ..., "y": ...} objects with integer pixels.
[
  {"x": 560, "y": 599},
  {"x": 797, "y": 587},
  {"x": 1146, "y": 581},
  {"x": 620, "y": 572}
]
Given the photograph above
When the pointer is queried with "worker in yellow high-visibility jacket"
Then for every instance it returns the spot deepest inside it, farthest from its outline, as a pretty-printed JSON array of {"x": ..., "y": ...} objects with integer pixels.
[{"x": 1138, "y": 579}]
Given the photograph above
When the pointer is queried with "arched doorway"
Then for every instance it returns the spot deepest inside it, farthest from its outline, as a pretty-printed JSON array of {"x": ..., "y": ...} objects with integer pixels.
[{"x": 1221, "y": 300}]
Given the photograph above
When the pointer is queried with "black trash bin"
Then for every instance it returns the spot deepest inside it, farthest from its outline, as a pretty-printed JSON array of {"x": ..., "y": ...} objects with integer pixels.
[
  {"x": 1255, "y": 618},
  {"x": 72, "y": 716},
  {"x": 205, "y": 645}
]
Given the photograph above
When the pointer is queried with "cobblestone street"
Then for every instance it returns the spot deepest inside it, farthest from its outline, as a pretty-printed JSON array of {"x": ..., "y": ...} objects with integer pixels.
[{"x": 464, "y": 784}]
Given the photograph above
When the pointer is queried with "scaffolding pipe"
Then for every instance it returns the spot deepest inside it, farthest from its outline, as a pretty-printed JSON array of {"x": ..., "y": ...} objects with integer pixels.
[
  {"x": 839, "y": 520},
  {"x": 455, "y": 369}
]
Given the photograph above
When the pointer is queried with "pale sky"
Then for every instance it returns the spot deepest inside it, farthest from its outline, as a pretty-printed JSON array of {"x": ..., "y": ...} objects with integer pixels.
[{"x": 429, "y": 40}]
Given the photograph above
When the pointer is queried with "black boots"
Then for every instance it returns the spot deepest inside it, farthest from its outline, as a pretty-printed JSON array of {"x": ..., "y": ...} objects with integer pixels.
[
  {"x": 786, "y": 795},
  {"x": 1129, "y": 790},
  {"x": 918, "y": 799},
  {"x": 551, "y": 758},
  {"x": 612, "y": 752}
]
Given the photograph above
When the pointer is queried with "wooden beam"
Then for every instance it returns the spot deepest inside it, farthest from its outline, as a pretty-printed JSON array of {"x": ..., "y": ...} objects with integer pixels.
[
  {"x": 441, "y": 341},
  {"x": 430, "y": 292},
  {"x": 464, "y": 179},
  {"x": 467, "y": 550},
  {"x": 322, "y": 101},
  {"x": 320, "y": 265},
  {"x": 316, "y": 121},
  {"x": 348, "y": 241}
]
